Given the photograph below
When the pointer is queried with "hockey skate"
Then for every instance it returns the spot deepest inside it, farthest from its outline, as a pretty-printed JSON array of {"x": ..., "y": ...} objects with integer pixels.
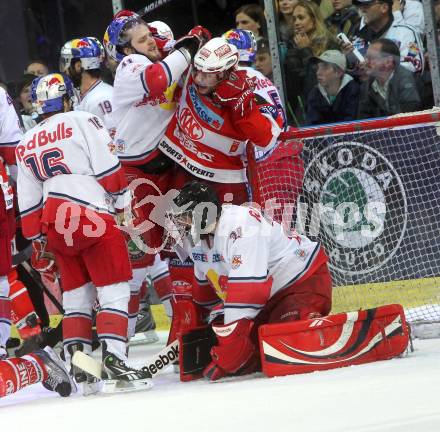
[
  {"x": 58, "y": 379},
  {"x": 119, "y": 377},
  {"x": 145, "y": 328}
]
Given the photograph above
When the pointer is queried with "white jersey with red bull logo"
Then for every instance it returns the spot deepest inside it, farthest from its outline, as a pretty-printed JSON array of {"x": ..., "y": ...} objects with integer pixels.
[
  {"x": 209, "y": 143},
  {"x": 252, "y": 258},
  {"x": 66, "y": 161},
  {"x": 143, "y": 104},
  {"x": 10, "y": 130},
  {"x": 98, "y": 101}
]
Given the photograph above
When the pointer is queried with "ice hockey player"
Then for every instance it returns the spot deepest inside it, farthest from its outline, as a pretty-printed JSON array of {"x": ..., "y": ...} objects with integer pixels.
[
  {"x": 81, "y": 59},
  {"x": 218, "y": 114},
  {"x": 70, "y": 187},
  {"x": 40, "y": 366},
  {"x": 143, "y": 105},
  {"x": 262, "y": 274}
]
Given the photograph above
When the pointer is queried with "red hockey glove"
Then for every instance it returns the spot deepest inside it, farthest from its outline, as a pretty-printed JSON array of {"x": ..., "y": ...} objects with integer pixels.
[
  {"x": 192, "y": 42},
  {"x": 42, "y": 260},
  {"x": 234, "y": 351},
  {"x": 236, "y": 93},
  {"x": 202, "y": 33}
]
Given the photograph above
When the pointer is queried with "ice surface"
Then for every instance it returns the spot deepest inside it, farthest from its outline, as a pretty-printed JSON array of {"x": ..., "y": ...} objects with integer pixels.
[{"x": 399, "y": 395}]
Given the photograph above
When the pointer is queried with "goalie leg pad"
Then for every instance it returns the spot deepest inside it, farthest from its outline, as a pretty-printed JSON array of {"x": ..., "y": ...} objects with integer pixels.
[{"x": 333, "y": 341}]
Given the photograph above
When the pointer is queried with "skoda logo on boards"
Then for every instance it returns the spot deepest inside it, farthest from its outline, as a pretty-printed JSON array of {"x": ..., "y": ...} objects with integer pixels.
[{"x": 360, "y": 201}]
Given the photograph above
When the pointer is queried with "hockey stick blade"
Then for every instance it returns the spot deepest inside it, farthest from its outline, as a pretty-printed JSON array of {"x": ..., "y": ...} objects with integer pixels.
[
  {"x": 93, "y": 367},
  {"x": 87, "y": 364}
]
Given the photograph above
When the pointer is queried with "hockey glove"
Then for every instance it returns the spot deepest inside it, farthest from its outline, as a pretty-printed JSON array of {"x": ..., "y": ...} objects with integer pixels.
[
  {"x": 234, "y": 351},
  {"x": 236, "y": 93},
  {"x": 42, "y": 260},
  {"x": 193, "y": 41}
]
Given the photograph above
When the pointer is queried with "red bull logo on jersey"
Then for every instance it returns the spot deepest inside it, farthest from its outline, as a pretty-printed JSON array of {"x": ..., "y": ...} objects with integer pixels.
[{"x": 44, "y": 137}]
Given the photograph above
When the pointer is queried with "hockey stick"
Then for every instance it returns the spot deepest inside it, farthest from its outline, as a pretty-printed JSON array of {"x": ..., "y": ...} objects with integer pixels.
[
  {"x": 156, "y": 364},
  {"x": 43, "y": 287}
]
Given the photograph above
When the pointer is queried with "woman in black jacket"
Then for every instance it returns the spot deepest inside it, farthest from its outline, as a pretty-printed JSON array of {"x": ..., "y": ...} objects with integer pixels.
[{"x": 311, "y": 38}]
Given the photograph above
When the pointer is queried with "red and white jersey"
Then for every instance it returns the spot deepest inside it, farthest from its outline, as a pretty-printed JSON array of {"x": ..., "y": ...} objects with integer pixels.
[
  {"x": 205, "y": 140},
  {"x": 67, "y": 159},
  {"x": 98, "y": 101},
  {"x": 143, "y": 104},
  {"x": 10, "y": 130},
  {"x": 251, "y": 259}
]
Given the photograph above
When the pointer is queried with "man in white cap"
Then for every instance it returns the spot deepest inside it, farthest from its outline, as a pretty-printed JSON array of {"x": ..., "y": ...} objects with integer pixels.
[{"x": 336, "y": 96}]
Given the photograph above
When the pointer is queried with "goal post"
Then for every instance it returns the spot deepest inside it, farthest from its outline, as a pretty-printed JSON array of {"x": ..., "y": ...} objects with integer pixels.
[{"x": 370, "y": 193}]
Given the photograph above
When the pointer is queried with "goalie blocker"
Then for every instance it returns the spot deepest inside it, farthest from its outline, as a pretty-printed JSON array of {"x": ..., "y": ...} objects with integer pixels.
[{"x": 330, "y": 342}]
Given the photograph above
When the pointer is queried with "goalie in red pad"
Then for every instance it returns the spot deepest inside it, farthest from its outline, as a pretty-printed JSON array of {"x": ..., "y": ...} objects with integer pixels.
[
  {"x": 334, "y": 341},
  {"x": 246, "y": 261}
]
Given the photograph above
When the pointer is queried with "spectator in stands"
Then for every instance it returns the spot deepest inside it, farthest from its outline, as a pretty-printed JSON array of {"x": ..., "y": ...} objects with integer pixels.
[
  {"x": 251, "y": 17},
  {"x": 325, "y": 7},
  {"x": 336, "y": 96},
  {"x": 263, "y": 59},
  {"x": 23, "y": 93},
  {"x": 311, "y": 39},
  {"x": 344, "y": 19},
  {"x": 285, "y": 17},
  {"x": 37, "y": 67},
  {"x": 390, "y": 88},
  {"x": 378, "y": 22},
  {"x": 409, "y": 12}
]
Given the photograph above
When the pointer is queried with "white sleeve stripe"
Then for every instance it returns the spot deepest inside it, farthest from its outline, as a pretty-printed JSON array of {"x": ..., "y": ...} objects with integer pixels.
[
  {"x": 121, "y": 192},
  {"x": 10, "y": 144},
  {"x": 33, "y": 208},
  {"x": 80, "y": 202},
  {"x": 109, "y": 171},
  {"x": 168, "y": 70},
  {"x": 144, "y": 84},
  {"x": 134, "y": 157},
  {"x": 243, "y": 306},
  {"x": 246, "y": 279}
]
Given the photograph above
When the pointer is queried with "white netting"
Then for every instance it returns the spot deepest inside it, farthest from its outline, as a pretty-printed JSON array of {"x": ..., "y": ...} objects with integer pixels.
[{"x": 372, "y": 198}]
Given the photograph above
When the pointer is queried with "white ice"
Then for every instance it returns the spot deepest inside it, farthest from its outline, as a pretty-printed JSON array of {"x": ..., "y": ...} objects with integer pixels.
[{"x": 399, "y": 395}]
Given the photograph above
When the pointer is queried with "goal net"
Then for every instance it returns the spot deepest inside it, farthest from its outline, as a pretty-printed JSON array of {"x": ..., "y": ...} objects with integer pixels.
[{"x": 371, "y": 195}]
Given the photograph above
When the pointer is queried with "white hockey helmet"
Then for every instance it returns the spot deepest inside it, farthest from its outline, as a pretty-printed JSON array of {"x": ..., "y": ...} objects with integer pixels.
[
  {"x": 216, "y": 55},
  {"x": 163, "y": 29},
  {"x": 47, "y": 92},
  {"x": 87, "y": 49}
]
